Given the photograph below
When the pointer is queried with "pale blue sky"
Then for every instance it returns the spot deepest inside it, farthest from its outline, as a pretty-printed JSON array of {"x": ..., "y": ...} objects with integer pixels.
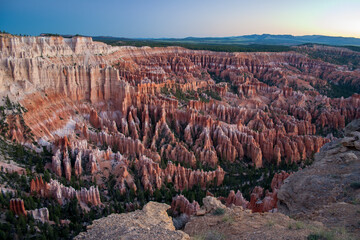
[{"x": 173, "y": 18}]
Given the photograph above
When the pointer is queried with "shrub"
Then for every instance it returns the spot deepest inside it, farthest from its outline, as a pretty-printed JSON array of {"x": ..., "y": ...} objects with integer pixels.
[
  {"x": 336, "y": 233},
  {"x": 316, "y": 237},
  {"x": 212, "y": 235},
  {"x": 355, "y": 185},
  {"x": 219, "y": 211},
  {"x": 270, "y": 223},
  {"x": 213, "y": 95},
  {"x": 228, "y": 219},
  {"x": 297, "y": 225}
]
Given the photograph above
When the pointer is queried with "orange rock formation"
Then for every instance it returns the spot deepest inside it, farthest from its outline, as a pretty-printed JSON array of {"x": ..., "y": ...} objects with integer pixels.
[
  {"x": 17, "y": 206},
  {"x": 56, "y": 190},
  {"x": 147, "y": 106},
  {"x": 259, "y": 202},
  {"x": 180, "y": 204}
]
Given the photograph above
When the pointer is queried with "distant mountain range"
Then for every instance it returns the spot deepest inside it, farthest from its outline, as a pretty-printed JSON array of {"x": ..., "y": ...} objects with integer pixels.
[{"x": 264, "y": 39}]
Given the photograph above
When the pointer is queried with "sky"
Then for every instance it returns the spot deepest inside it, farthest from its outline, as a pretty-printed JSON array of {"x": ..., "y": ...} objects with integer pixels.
[{"x": 181, "y": 18}]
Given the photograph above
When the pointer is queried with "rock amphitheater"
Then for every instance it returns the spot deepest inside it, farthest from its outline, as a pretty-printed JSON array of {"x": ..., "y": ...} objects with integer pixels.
[{"x": 166, "y": 114}]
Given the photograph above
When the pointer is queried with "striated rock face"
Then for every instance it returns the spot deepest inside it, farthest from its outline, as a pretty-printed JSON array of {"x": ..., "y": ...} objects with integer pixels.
[
  {"x": 67, "y": 166},
  {"x": 133, "y": 84},
  {"x": 56, "y": 163},
  {"x": 180, "y": 204},
  {"x": 236, "y": 199},
  {"x": 182, "y": 178},
  {"x": 78, "y": 167},
  {"x": 40, "y": 187},
  {"x": 56, "y": 190},
  {"x": 41, "y": 214},
  {"x": 17, "y": 206},
  {"x": 168, "y": 112},
  {"x": 89, "y": 196},
  {"x": 152, "y": 222}
]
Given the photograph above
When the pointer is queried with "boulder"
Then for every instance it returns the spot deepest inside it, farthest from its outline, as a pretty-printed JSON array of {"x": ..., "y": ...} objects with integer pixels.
[{"x": 152, "y": 222}]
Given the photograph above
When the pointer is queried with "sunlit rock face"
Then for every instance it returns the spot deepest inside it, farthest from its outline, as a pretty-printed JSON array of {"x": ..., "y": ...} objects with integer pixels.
[{"x": 168, "y": 112}]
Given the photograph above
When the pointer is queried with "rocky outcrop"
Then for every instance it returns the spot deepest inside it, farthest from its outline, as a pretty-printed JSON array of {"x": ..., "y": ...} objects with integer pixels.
[
  {"x": 17, "y": 207},
  {"x": 335, "y": 167},
  {"x": 211, "y": 204},
  {"x": 89, "y": 196},
  {"x": 328, "y": 191},
  {"x": 236, "y": 199},
  {"x": 236, "y": 223},
  {"x": 168, "y": 112},
  {"x": 181, "y": 204},
  {"x": 56, "y": 190},
  {"x": 278, "y": 180},
  {"x": 38, "y": 186},
  {"x": 152, "y": 176},
  {"x": 40, "y": 214},
  {"x": 134, "y": 85},
  {"x": 152, "y": 222},
  {"x": 259, "y": 201},
  {"x": 56, "y": 163},
  {"x": 67, "y": 166},
  {"x": 78, "y": 167},
  {"x": 94, "y": 120}
]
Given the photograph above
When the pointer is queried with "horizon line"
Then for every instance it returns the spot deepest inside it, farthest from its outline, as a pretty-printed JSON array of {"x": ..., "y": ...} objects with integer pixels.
[{"x": 165, "y": 37}]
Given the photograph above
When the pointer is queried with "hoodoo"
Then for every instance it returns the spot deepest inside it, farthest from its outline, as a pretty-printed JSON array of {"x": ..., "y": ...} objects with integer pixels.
[{"x": 95, "y": 129}]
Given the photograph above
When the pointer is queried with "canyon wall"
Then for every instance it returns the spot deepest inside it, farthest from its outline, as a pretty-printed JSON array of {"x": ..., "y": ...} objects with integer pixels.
[{"x": 168, "y": 113}]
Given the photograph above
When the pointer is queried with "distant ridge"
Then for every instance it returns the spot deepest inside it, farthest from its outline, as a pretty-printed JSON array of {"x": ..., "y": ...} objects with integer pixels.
[{"x": 263, "y": 39}]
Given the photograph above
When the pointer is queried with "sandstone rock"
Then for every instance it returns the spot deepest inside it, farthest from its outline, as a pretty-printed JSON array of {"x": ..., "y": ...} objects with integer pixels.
[
  {"x": 56, "y": 190},
  {"x": 278, "y": 180},
  {"x": 314, "y": 187},
  {"x": 211, "y": 204},
  {"x": 82, "y": 96},
  {"x": 67, "y": 166},
  {"x": 56, "y": 163},
  {"x": 40, "y": 214},
  {"x": 237, "y": 223},
  {"x": 38, "y": 186},
  {"x": 152, "y": 176},
  {"x": 321, "y": 191},
  {"x": 78, "y": 167},
  {"x": 259, "y": 202},
  {"x": 17, "y": 206},
  {"x": 93, "y": 165},
  {"x": 122, "y": 85},
  {"x": 152, "y": 222},
  {"x": 90, "y": 196},
  {"x": 181, "y": 204},
  {"x": 236, "y": 199}
]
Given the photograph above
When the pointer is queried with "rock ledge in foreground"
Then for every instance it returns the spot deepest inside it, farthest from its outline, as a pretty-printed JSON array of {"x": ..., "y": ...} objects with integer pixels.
[{"x": 152, "y": 222}]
